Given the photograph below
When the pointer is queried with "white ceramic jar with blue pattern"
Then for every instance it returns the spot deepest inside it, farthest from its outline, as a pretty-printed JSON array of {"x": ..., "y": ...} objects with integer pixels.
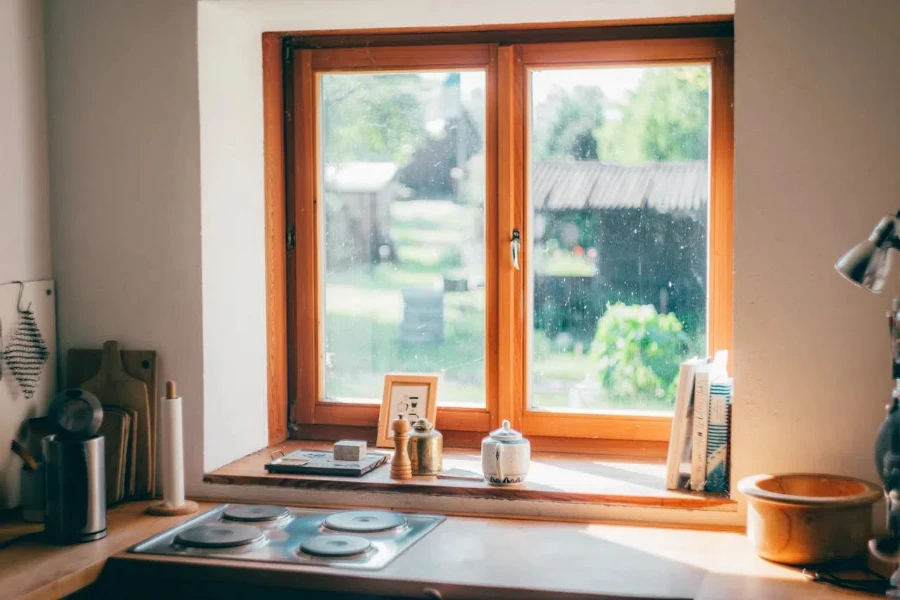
[{"x": 505, "y": 456}]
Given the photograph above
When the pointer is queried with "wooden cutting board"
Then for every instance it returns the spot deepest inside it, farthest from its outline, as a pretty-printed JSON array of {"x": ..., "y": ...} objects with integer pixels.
[
  {"x": 82, "y": 364},
  {"x": 130, "y": 452},
  {"x": 115, "y": 431},
  {"x": 115, "y": 387}
]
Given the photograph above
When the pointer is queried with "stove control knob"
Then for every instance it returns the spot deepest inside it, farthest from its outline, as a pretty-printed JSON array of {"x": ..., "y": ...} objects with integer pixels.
[{"x": 431, "y": 594}]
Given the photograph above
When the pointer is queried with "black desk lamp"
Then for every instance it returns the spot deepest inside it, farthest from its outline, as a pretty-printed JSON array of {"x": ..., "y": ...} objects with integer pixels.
[{"x": 867, "y": 265}]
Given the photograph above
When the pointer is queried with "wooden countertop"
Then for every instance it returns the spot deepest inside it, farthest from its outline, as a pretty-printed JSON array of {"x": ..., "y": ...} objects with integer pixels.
[
  {"x": 461, "y": 558},
  {"x": 31, "y": 569}
]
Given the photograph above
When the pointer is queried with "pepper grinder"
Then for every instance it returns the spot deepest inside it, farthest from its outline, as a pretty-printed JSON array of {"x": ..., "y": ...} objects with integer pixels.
[{"x": 401, "y": 466}]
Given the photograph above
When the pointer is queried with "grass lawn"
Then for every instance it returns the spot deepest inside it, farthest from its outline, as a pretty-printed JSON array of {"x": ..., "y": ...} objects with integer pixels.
[
  {"x": 362, "y": 344},
  {"x": 364, "y": 311}
]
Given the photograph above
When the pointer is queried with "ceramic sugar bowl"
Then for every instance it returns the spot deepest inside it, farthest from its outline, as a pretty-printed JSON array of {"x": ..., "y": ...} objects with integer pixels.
[{"x": 505, "y": 456}]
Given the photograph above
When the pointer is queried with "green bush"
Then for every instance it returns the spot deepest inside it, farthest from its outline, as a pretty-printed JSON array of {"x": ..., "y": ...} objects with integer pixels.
[{"x": 638, "y": 353}]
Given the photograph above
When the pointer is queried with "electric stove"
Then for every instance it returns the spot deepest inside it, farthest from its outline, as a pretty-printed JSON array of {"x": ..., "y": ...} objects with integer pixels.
[{"x": 354, "y": 539}]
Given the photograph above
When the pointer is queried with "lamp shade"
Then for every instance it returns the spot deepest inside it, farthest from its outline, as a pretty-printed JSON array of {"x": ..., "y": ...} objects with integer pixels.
[{"x": 868, "y": 263}]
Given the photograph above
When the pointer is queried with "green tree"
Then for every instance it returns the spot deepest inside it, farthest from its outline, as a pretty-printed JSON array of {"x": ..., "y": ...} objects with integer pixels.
[
  {"x": 584, "y": 147},
  {"x": 665, "y": 119},
  {"x": 638, "y": 352},
  {"x": 371, "y": 117},
  {"x": 576, "y": 115}
]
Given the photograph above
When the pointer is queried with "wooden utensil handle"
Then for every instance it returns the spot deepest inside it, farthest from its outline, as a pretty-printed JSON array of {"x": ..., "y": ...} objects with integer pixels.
[
  {"x": 23, "y": 453},
  {"x": 111, "y": 367}
]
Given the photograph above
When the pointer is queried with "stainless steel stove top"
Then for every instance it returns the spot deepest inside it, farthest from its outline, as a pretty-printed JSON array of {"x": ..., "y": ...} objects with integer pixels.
[{"x": 358, "y": 539}]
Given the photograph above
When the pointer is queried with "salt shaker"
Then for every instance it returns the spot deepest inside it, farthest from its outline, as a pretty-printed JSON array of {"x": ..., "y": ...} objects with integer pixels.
[{"x": 426, "y": 448}]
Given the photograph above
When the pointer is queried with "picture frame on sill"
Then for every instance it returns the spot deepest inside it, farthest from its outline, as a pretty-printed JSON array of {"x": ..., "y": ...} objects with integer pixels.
[{"x": 412, "y": 397}]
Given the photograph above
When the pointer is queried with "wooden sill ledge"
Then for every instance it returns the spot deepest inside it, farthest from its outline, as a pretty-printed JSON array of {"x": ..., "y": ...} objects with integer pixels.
[{"x": 552, "y": 478}]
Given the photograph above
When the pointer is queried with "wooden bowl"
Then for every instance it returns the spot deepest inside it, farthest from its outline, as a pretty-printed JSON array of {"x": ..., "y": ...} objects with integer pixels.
[{"x": 808, "y": 518}]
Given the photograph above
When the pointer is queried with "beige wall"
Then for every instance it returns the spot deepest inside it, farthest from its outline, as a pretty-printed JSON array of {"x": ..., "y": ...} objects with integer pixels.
[
  {"x": 816, "y": 165},
  {"x": 230, "y": 75},
  {"x": 125, "y": 184},
  {"x": 129, "y": 225},
  {"x": 24, "y": 204}
]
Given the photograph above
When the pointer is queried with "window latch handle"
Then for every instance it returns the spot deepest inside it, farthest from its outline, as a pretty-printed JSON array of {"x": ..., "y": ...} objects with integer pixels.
[{"x": 515, "y": 246}]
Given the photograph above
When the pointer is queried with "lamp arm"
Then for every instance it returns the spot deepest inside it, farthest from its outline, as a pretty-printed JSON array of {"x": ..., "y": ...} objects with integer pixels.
[
  {"x": 893, "y": 318},
  {"x": 887, "y": 231}
]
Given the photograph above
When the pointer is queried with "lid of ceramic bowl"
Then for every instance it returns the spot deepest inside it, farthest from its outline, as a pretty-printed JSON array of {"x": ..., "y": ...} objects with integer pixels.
[{"x": 506, "y": 433}]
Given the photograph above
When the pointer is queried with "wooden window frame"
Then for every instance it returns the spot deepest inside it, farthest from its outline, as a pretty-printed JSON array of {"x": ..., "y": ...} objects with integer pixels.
[
  {"x": 294, "y": 313},
  {"x": 716, "y": 53},
  {"x": 314, "y": 416}
]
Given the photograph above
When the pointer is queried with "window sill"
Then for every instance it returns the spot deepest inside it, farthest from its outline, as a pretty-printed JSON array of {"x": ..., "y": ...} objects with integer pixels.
[{"x": 552, "y": 478}]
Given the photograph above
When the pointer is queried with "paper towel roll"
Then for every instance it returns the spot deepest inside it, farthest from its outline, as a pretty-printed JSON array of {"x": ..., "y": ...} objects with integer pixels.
[{"x": 172, "y": 452}]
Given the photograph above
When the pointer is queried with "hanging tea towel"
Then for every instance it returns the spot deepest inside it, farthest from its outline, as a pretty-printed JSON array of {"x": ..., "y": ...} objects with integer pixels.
[{"x": 27, "y": 352}]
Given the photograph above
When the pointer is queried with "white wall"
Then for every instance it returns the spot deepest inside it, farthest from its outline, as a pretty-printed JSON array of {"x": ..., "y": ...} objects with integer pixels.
[
  {"x": 815, "y": 166},
  {"x": 126, "y": 179},
  {"x": 231, "y": 135},
  {"x": 24, "y": 203},
  {"x": 817, "y": 163},
  {"x": 125, "y": 185},
  {"x": 24, "y": 215}
]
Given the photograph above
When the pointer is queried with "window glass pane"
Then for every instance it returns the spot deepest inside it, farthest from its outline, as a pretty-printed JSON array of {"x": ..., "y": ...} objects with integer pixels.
[
  {"x": 619, "y": 201},
  {"x": 403, "y": 174}
]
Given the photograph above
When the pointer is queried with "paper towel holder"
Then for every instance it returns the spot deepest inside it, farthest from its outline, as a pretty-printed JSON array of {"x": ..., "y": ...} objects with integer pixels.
[{"x": 172, "y": 445}]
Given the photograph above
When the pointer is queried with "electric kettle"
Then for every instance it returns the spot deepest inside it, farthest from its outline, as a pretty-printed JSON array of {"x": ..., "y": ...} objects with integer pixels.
[{"x": 74, "y": 473}]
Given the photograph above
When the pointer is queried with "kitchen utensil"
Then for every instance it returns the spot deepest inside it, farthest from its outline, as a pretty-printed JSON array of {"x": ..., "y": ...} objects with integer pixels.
[
  {"x": 401, "y": 467},
  {"x": 426, "y": 448},
  {"x": 505, "y": 456},
  {"x": 75, "y": 489},
  {"x": 75, "y": 414},
  {"x": 30, "y": 463},
  {"x": 115, "y": 431},
  {"x": 808, "y": 518},
  {"x": 115, "y": 387},
  {"x": 40, "y": 427},
  {"x": 172, "y": 444},
  {"x": 32, "y": 495},
  {"x": 83, "y": 364},
  {"x": 130, "y": 450}
]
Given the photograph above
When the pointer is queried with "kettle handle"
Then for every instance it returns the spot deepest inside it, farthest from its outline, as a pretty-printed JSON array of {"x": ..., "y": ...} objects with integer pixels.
[{"x": 498, "y": 453}]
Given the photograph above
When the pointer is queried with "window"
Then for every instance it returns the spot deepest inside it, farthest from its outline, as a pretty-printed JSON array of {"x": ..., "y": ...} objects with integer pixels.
[
  {"x": 545, "y": 225},
  {"x": 404, "y": 230}
]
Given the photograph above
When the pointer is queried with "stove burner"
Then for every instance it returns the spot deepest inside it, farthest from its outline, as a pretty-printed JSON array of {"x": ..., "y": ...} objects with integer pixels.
[
  {"x": 335, "y": 545},
  {"x": 255, "y": 514},
  {"x": 364, "y": 521},
  {"x": 219, "y": 536}
]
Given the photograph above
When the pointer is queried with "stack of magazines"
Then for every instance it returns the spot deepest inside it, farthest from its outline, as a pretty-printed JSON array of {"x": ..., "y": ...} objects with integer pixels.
[{"x": 701, "y": 427}]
